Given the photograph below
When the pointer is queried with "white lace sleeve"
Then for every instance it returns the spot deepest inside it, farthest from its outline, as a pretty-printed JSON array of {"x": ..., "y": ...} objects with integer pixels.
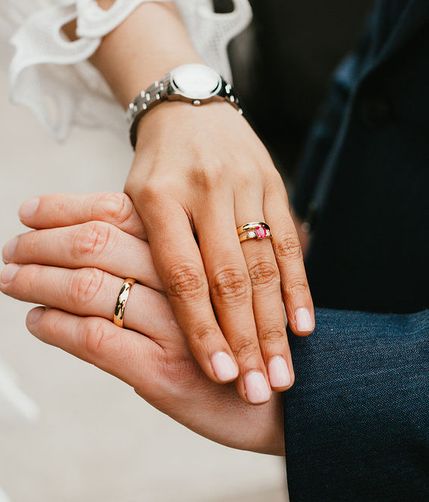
[{"x": 51, "y": 74}]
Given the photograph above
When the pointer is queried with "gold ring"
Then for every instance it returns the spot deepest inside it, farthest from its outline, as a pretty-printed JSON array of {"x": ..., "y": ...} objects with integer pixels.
[
  {"x": 121, "y": 302},
  {"x": 254, "y": 230}
]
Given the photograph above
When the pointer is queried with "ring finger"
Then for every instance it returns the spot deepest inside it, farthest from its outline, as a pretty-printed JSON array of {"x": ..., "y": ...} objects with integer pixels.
[
  {"x": 268, "y": 306},
  {"x": 88, "y": 292},
  {"x": 230, "y": 291}
]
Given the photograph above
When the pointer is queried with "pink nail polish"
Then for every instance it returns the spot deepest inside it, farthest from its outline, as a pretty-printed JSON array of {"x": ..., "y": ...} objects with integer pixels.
[
  {"x": 224, "y": 367},
  {"x": 304, "y": 322},
  {"x": 29, "y": 208},
  {"x": 278, "y": 372},
  {"x": 8, "y": 273},
  {"x": 257, "y": 388},
  {"x": 9, "y": 250}
]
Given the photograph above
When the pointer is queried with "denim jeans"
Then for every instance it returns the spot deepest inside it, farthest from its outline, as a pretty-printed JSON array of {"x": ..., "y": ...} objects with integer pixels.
[{"x": 357, "y": 419}]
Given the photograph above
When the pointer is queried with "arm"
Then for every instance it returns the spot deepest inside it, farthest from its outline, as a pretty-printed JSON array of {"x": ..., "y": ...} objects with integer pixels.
[{"x": 357, "y": 419}]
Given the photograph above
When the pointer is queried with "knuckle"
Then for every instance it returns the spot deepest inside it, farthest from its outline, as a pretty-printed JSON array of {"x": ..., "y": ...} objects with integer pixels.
[
  {"x": 207, "y": 177},
  {"x": 263, "y": 273},
  {"x": 151, "y": 192},
  {"x": 272, "y": 335},
  {"x": 84, "y": 285},
  {"x": 186, "y": 282},
  {"x": 231, "y": 284},
  {"x": 288, "y": 246},
  {"x": 91, "y": 239},
  {"x": 244, "y": 349},
  {"x": 96, "y": 336},
  {"x": 115, "y": 207},
  {"x": 204, "y": 333},
  {"x": 298, "y": 286}
]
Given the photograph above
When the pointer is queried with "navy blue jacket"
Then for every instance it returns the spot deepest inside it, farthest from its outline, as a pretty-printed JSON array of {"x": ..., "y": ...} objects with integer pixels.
[
  {"x": 364, "y": 180},
  {"x": 357, "y": 419}
]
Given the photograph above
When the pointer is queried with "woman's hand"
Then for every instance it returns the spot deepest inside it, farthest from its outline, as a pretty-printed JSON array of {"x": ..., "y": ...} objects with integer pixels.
[
  {"x": 198, "y": 174},
  {"x": 74, "y": 265}
]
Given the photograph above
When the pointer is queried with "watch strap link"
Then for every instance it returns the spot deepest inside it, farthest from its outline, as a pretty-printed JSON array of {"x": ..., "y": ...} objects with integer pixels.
[{"x": 143, "y": 102}]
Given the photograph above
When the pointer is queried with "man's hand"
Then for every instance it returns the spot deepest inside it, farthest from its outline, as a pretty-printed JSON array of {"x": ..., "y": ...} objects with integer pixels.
[{"x": 74, "y": 263}]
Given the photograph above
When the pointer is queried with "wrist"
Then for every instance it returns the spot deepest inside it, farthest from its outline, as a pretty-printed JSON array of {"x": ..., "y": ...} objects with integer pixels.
[
  {"x": 138, "y": 51},
  {"x": 195, "y": 84},
  {"x": 177, "y": 114}
]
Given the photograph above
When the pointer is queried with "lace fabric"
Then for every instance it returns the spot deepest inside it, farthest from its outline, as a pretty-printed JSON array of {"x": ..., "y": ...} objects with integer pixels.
[{"x": 52, "y": 76}]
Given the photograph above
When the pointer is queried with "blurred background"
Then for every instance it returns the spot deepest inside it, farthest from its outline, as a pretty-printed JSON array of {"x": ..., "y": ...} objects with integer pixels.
[{"x": 69, "y": 432}]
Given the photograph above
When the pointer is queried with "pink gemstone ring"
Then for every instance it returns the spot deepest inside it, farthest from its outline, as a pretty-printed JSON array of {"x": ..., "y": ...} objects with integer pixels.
[{"x": 254, "y": 230}]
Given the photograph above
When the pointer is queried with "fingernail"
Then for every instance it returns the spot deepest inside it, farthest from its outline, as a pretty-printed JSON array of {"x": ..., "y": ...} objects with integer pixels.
[
  {"x": 278, "y": 372},
  {"x": 8, "y": 273},
  {"x": 34, "y": 315},
  {"x": 304, "y": 322},
  {"x": 29, "y": 208},
  {"x": 9, "y": 249},
  {"x": 257, "y": 389},
  {"x": 224, "y": 367}
]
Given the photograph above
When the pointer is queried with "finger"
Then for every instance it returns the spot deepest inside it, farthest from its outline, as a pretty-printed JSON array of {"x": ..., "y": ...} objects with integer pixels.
[
  {"x": 122, "y": 353},
  {"x": 90, "y": 292},
  {"x": 63, "y": 210},
  {"x": 231, "y": 292},
  {"x": 94, "y": 244},
  {"x": 287, "y": 249},
  {"x": 267, "y": 296},
  {"x": 178, "y": 261}
]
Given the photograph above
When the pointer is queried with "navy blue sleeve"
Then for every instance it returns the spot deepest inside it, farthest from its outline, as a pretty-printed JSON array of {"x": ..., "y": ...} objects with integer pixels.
[{"x": 357, "y": 419}]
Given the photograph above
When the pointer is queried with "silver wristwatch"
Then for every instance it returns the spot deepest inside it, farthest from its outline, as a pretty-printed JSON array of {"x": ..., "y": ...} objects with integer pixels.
[{"x": 193, "y": 83}]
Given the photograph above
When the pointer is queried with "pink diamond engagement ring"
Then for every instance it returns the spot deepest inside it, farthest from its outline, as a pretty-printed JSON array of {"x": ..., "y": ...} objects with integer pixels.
[{"x": 254, "y": 230}]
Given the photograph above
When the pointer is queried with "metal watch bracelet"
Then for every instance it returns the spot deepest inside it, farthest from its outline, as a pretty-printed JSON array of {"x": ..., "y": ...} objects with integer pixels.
[{"x": 157, "y": 93}]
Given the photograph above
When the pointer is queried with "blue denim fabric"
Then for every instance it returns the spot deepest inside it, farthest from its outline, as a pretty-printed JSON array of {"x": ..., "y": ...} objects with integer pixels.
[{"x": 357, "y": 419}]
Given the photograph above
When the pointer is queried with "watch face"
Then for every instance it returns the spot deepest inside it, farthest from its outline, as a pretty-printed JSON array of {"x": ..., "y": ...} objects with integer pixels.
[{"x": 196, "y": 81}]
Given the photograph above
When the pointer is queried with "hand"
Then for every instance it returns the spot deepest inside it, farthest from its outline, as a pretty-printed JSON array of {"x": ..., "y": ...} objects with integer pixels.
[
  {"x": 75, "y": 269},
  {"x": 199, "y": 173}
]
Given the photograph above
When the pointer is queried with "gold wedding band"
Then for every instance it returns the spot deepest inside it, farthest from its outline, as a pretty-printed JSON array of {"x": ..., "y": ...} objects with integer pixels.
[
  {"x": 121, "y": 302},
  {"x": 254, "y": 230}
]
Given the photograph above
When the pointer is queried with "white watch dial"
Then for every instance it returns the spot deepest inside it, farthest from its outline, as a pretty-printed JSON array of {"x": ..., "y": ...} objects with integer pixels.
[{"x": 196, "y": 81}]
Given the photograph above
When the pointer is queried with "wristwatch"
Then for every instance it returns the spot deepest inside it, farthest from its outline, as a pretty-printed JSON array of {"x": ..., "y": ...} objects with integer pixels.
[{"x": 193, "y": 83}]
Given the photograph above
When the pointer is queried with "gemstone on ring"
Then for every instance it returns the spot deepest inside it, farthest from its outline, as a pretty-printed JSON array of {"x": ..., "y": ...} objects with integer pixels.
[{"x": 260, "y": 232}]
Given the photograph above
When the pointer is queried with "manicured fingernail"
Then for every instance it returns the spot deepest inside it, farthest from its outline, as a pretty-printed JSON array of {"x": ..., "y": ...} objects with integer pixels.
[
  {"x": 9, "y": 249},
  {"x": 257, "y": 388},
  {"x": 29, "y": 208},
  {"x": 224, "y": 367},
  {"x": 8, "y": 273},
  {"x": 279, "y": 372},
  {"x": 304, "y": 322},
  {"x": 34, "y": 315}
]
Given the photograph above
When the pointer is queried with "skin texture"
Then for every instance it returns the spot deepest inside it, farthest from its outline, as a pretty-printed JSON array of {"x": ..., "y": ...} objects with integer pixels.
[
  {"x": 70, "y": 264},
  {"x": 198, "y": 173}
]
